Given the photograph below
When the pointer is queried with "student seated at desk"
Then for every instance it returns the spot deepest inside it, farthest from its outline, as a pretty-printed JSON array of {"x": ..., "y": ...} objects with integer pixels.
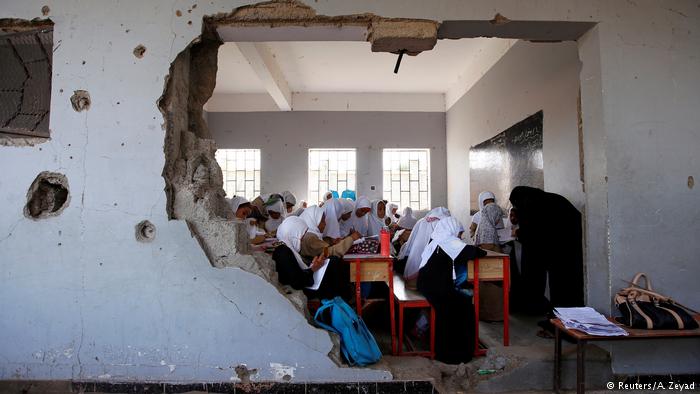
[
  {"x": 292, "y": 270},
  {"x": 276, "y": 212},
  {"x": 360, "y": 218},
  {"x": 290, "y": 200},
  {"x": 490, "y": 221},
  {"x": 417, "y": 241},
  {"x": 242, "y": 209},
  {"x": 333, "y": 210},
  {"x": 454, "y": 311},
  {"x": 377, "y": 218},
  {"x": 392, "y": 213},
  {"x": 404, "y": 227},
  {"x": 345, "y": 222},
  {"x": 313, "y": 244}
]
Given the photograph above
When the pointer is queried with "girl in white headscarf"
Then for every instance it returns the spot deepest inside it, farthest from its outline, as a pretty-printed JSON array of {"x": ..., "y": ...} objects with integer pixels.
[
  {"x": 242, "y": 209},
  {"x": 345, "y": 223},
  {"x": 454, "y": 311},
  {"x": 407, "y": 220},
  {"x": 360, "y": 218},
  {"x": 377, "y": 217},
  {"x": 483, "y": 199},
  {"x": 313, "y": 243},
  {"x": 333, "y": 209},
  {"x": 324, "y": 278},
  {"x": 487, "y": 230},
  {"x": 276, "y": 211},
  {"x": 290, "y": 200},
  {"x": 392, "y": 212},
  {"x": 403, "y": 233},
  {"x": 420, "y": 236}
]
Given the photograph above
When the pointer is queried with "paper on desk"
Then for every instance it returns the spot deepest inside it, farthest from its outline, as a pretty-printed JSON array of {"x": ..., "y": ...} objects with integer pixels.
[
  {"x": 318, "y": 276},
  {"x": 588, "y": 320},
  {"x": 358, "y": 241}
]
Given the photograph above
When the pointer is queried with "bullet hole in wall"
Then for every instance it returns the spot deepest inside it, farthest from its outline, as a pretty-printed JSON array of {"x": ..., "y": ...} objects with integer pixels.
[
  {"x": 691, "y": 182},
  {"x": 45, "y": 10},
  {"x": 48, "y": 196},
  {"x": 80, "y": 100},
  {"x": 145, "y": 231},
  {"x": 139, "y": 51}
]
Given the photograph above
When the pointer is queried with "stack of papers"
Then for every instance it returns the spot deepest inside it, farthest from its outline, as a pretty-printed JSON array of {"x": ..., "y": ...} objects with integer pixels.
[{"x": 589, "y": 321}]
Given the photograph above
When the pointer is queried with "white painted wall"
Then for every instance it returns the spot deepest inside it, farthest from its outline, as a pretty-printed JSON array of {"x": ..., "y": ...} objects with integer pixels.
[
  {"x": 66, "y": 316},
  {"x": 286, "y": 137},
  {"x": 528, "y": 78}
]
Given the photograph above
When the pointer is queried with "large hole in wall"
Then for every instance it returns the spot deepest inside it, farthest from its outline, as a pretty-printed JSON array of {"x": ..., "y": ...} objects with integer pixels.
[
  {"x": 193, "y": 178},
  {"x": 47, "y": 196}
]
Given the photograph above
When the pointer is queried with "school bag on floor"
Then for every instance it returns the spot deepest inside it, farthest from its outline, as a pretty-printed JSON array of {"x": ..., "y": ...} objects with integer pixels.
[{"x": 356, "y": 342}]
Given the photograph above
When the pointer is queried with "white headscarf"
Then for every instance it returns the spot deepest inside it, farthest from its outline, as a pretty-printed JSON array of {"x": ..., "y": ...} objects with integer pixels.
[
  {"x": 237, "y": 201},
  {"x": 312, "y": 217},
  {"x": 346, "y": 225},
  {"x": 361, "y": 225},
  {"x": 483, "y": 196},
  {"x": 253, "y": 229},
  {"x": 272, "y": 224},
  {"x": 407, "y": 220},
  {"x": 334, "y": 210},
  {"x": 289, "y": 198},
  {"x": 376, "y": 224},
  {"x": 418, "y": 240},
  {"x": 291, "y": 231},
  {"x": 446, "y": 236},
  {"x": 390, "y": 207}
]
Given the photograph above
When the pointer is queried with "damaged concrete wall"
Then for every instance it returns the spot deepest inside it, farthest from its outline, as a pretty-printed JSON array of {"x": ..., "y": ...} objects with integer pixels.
[
  {"x": 81, "y": 298},
  {"x": 528, "y": 78},
  {"x": 285, "y": 138}
]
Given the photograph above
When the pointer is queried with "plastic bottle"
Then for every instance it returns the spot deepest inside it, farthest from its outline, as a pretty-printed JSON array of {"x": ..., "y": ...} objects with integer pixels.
[{"x": 384, "y": 240}]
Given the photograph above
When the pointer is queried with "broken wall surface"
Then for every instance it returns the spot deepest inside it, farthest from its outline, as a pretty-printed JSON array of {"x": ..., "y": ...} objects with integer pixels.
[
  {"x": 81, "y": 298},
  {"x": 285, "y": 138}
]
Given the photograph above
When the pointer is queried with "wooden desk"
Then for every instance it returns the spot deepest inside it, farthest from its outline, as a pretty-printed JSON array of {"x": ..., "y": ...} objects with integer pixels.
[
  {"x": 492, "y": 267},
  {"x": 373, "y": 268},
  {"x": 582, "y": 339}
]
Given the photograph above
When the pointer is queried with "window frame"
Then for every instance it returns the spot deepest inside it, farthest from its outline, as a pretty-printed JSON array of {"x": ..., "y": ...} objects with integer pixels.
[
  {"x": 225, "y": 171},
  {"x": 390, "y": 173},
  {"x": 350, "y": 173}
]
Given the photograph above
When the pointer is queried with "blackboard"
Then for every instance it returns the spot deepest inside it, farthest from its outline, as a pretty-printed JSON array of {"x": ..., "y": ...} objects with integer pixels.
[{"x": 511, "y": 158}]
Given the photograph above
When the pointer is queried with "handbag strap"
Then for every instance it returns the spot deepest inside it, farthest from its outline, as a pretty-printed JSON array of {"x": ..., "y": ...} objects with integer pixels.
[{"x": 639, "y": 276}]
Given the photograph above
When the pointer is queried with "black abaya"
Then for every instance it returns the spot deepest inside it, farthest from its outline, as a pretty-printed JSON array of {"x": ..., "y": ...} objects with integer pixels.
[
  {"x": 335, "y": 281},
  {"x": 551, "y": 235},
  {"x": 454, "y": 310}
]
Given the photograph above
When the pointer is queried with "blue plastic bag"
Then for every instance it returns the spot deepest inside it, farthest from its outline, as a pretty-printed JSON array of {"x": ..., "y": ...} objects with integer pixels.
[{"x": 356, "y": 342}]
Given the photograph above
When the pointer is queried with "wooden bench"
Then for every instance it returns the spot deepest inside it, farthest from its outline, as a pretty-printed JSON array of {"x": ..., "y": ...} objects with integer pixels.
[
  {"x": 582, "y": 338},
  {"x": 408, "y": 298}
]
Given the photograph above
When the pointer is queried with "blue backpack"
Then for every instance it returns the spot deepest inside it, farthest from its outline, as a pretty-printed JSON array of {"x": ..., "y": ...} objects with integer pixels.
[{"x": 356, "y": 342}]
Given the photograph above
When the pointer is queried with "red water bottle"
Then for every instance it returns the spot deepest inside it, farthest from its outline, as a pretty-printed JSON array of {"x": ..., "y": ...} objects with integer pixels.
[{"x": 384, "y": 239}]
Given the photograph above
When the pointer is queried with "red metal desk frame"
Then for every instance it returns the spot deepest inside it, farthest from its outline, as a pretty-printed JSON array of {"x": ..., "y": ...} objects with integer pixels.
[{"x": 357, "y": 260}]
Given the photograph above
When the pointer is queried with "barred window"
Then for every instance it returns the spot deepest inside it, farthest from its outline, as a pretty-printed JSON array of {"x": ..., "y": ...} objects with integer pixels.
[
  {"x": 241, "y": 171},
  {"x": 330, "y": 169},
  {"x": 25, "y": 82},
  {"x": 407, "y": 177}
]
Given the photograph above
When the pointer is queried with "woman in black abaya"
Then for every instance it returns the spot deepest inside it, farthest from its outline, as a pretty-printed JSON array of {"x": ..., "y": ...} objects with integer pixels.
[
  {"x": 454, "y": 339},
  {"x": 551, "y": 235}
]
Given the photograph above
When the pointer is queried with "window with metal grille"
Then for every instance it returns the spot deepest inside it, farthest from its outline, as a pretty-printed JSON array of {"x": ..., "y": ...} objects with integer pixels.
[
  {"x": 407, "y": 177},
  {"x": 241, "y": 171},
  {"x": 330, "y": 169},
  {"x": 25, "y": 83}
]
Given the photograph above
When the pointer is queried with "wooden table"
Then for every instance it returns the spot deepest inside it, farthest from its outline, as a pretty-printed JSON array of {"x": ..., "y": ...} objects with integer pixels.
[
  {"x": 373, "y": 268},
  {"x": 490, "y": 268},
  {"x": 582, "y": 339}
]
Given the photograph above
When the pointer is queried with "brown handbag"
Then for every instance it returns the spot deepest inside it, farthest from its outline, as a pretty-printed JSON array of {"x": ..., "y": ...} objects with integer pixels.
[{"x": 641, "y": 307}]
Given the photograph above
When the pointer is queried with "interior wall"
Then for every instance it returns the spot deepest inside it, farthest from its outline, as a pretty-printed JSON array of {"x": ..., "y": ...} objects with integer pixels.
[
  {"x": 528, "y": 78},
  {"x": 285, "y": 138}
]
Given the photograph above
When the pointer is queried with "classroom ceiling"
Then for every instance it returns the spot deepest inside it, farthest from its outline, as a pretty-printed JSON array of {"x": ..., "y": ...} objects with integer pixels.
[{"x": 350, "y": 67}]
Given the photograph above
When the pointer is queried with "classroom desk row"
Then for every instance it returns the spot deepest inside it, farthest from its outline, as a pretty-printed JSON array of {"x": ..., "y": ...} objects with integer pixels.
[{"x": 378, "y": 268}]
